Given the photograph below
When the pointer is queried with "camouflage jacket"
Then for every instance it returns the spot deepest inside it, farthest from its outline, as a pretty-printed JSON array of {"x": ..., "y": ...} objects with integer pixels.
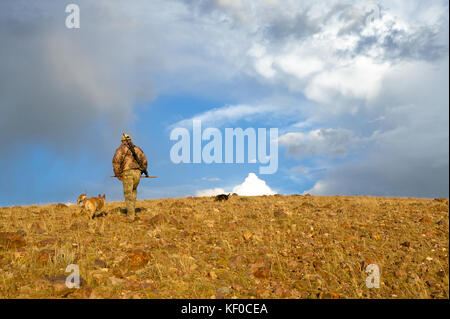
[{"x": 123, "y": 159}]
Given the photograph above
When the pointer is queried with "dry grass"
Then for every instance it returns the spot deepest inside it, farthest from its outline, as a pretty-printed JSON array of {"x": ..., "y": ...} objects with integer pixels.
[{"x": 246, "y": 247}]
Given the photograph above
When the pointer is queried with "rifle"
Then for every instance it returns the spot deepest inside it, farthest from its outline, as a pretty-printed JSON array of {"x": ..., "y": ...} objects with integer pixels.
[
  {"x": 136, "y": 158},
  {"x": 141, "y": 176}
]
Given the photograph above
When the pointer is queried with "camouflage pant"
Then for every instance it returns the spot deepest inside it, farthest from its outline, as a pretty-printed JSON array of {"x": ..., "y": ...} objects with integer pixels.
[{"x": 131, "y": 179}]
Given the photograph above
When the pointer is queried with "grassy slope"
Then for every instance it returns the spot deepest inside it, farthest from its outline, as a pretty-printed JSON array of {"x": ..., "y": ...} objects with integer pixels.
[{"x": 317, "y": 247}]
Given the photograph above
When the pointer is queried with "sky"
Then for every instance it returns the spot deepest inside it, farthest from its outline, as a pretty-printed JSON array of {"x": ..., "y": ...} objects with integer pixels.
[{"x": 358, "y": 91}]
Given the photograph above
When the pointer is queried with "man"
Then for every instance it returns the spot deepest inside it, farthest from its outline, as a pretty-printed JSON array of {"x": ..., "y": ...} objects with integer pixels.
[{"x": 129, "y": 169}]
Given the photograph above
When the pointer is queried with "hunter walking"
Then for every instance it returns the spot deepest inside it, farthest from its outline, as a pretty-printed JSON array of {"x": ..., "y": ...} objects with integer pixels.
[{"x": 129, "y": 163}]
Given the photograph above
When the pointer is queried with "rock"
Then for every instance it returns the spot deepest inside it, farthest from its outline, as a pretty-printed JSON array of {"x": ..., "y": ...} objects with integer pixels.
[
  {"x": 82, "y": 293},
  {"x": 261, "y": 272},
  {"x": 136, "y": 258},
  {"x": 223, "y": 292},
  {"x": 100, "y": 263},
  {"x": 262, "y": 293},
  {"x": 21, "y": 233},
  {"x": 9, "y": 240},
  {"x": 61, "y": 206},
  {"x": 117, "y": 281},
  {"x": 79, "y": 226},
  {"x": 45, "y": 255},
  {"x": 279, "y": 214},
  {"x": 406, "y": 244},
  {"x": 238, "y": 287},
  {"x": 38, "y": 227},
  {"x": 146, "y": 285},
  {"x": 46, "y": 242},
  {"x": 425, "y": 220},
  {"x": 59, "y": 285}
]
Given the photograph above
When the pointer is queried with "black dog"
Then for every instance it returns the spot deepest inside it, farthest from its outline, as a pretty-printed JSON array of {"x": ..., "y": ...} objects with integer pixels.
[{"x": 221, "y": 197}]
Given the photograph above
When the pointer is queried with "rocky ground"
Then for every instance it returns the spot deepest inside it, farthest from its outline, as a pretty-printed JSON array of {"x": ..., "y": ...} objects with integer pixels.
[{"x": 246, "y": 247}]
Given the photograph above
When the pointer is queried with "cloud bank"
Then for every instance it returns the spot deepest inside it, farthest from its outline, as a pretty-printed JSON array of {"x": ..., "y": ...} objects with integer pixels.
[{"x": 253, "y": 186}]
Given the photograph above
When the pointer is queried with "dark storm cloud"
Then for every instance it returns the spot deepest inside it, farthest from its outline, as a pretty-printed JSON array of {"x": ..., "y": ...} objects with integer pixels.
[
  {"x": 65, "y": 96},
  {"x": 295, "y": 28},
  {"x": 373, "y": 177},
  {"x": 424, "y": 43},
  {"x": 57, "y": 83}
]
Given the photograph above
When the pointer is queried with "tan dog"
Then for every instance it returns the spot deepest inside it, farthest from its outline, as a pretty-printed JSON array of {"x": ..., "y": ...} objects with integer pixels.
[{"x": 91, "y": 204}]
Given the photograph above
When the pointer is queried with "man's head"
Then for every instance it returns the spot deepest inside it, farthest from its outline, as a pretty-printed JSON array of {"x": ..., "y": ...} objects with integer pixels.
[{"x": 125, "y": 137}]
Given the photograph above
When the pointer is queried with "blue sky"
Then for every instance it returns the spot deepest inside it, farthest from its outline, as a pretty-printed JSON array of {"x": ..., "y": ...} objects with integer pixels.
[{"x": 357, "y": 90}]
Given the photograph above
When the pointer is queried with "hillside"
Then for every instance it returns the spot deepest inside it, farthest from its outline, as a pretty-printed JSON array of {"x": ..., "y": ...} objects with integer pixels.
[{"x": 246, "y": 247}]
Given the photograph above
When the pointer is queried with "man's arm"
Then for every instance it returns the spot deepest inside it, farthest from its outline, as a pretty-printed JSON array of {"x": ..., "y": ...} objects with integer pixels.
[{"x": 118, "y": 160}]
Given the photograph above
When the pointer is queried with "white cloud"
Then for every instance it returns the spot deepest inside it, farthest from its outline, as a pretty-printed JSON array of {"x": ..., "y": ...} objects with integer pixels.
[
  {"x": 227, "y": 114},
  {"x": 253, "y": 186},
  {"x": 320, "y": 188},
  {"x": 264, "y": 66},
  {"x": 361, "y": 79},
  {"x": 300, "y": 66}
]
